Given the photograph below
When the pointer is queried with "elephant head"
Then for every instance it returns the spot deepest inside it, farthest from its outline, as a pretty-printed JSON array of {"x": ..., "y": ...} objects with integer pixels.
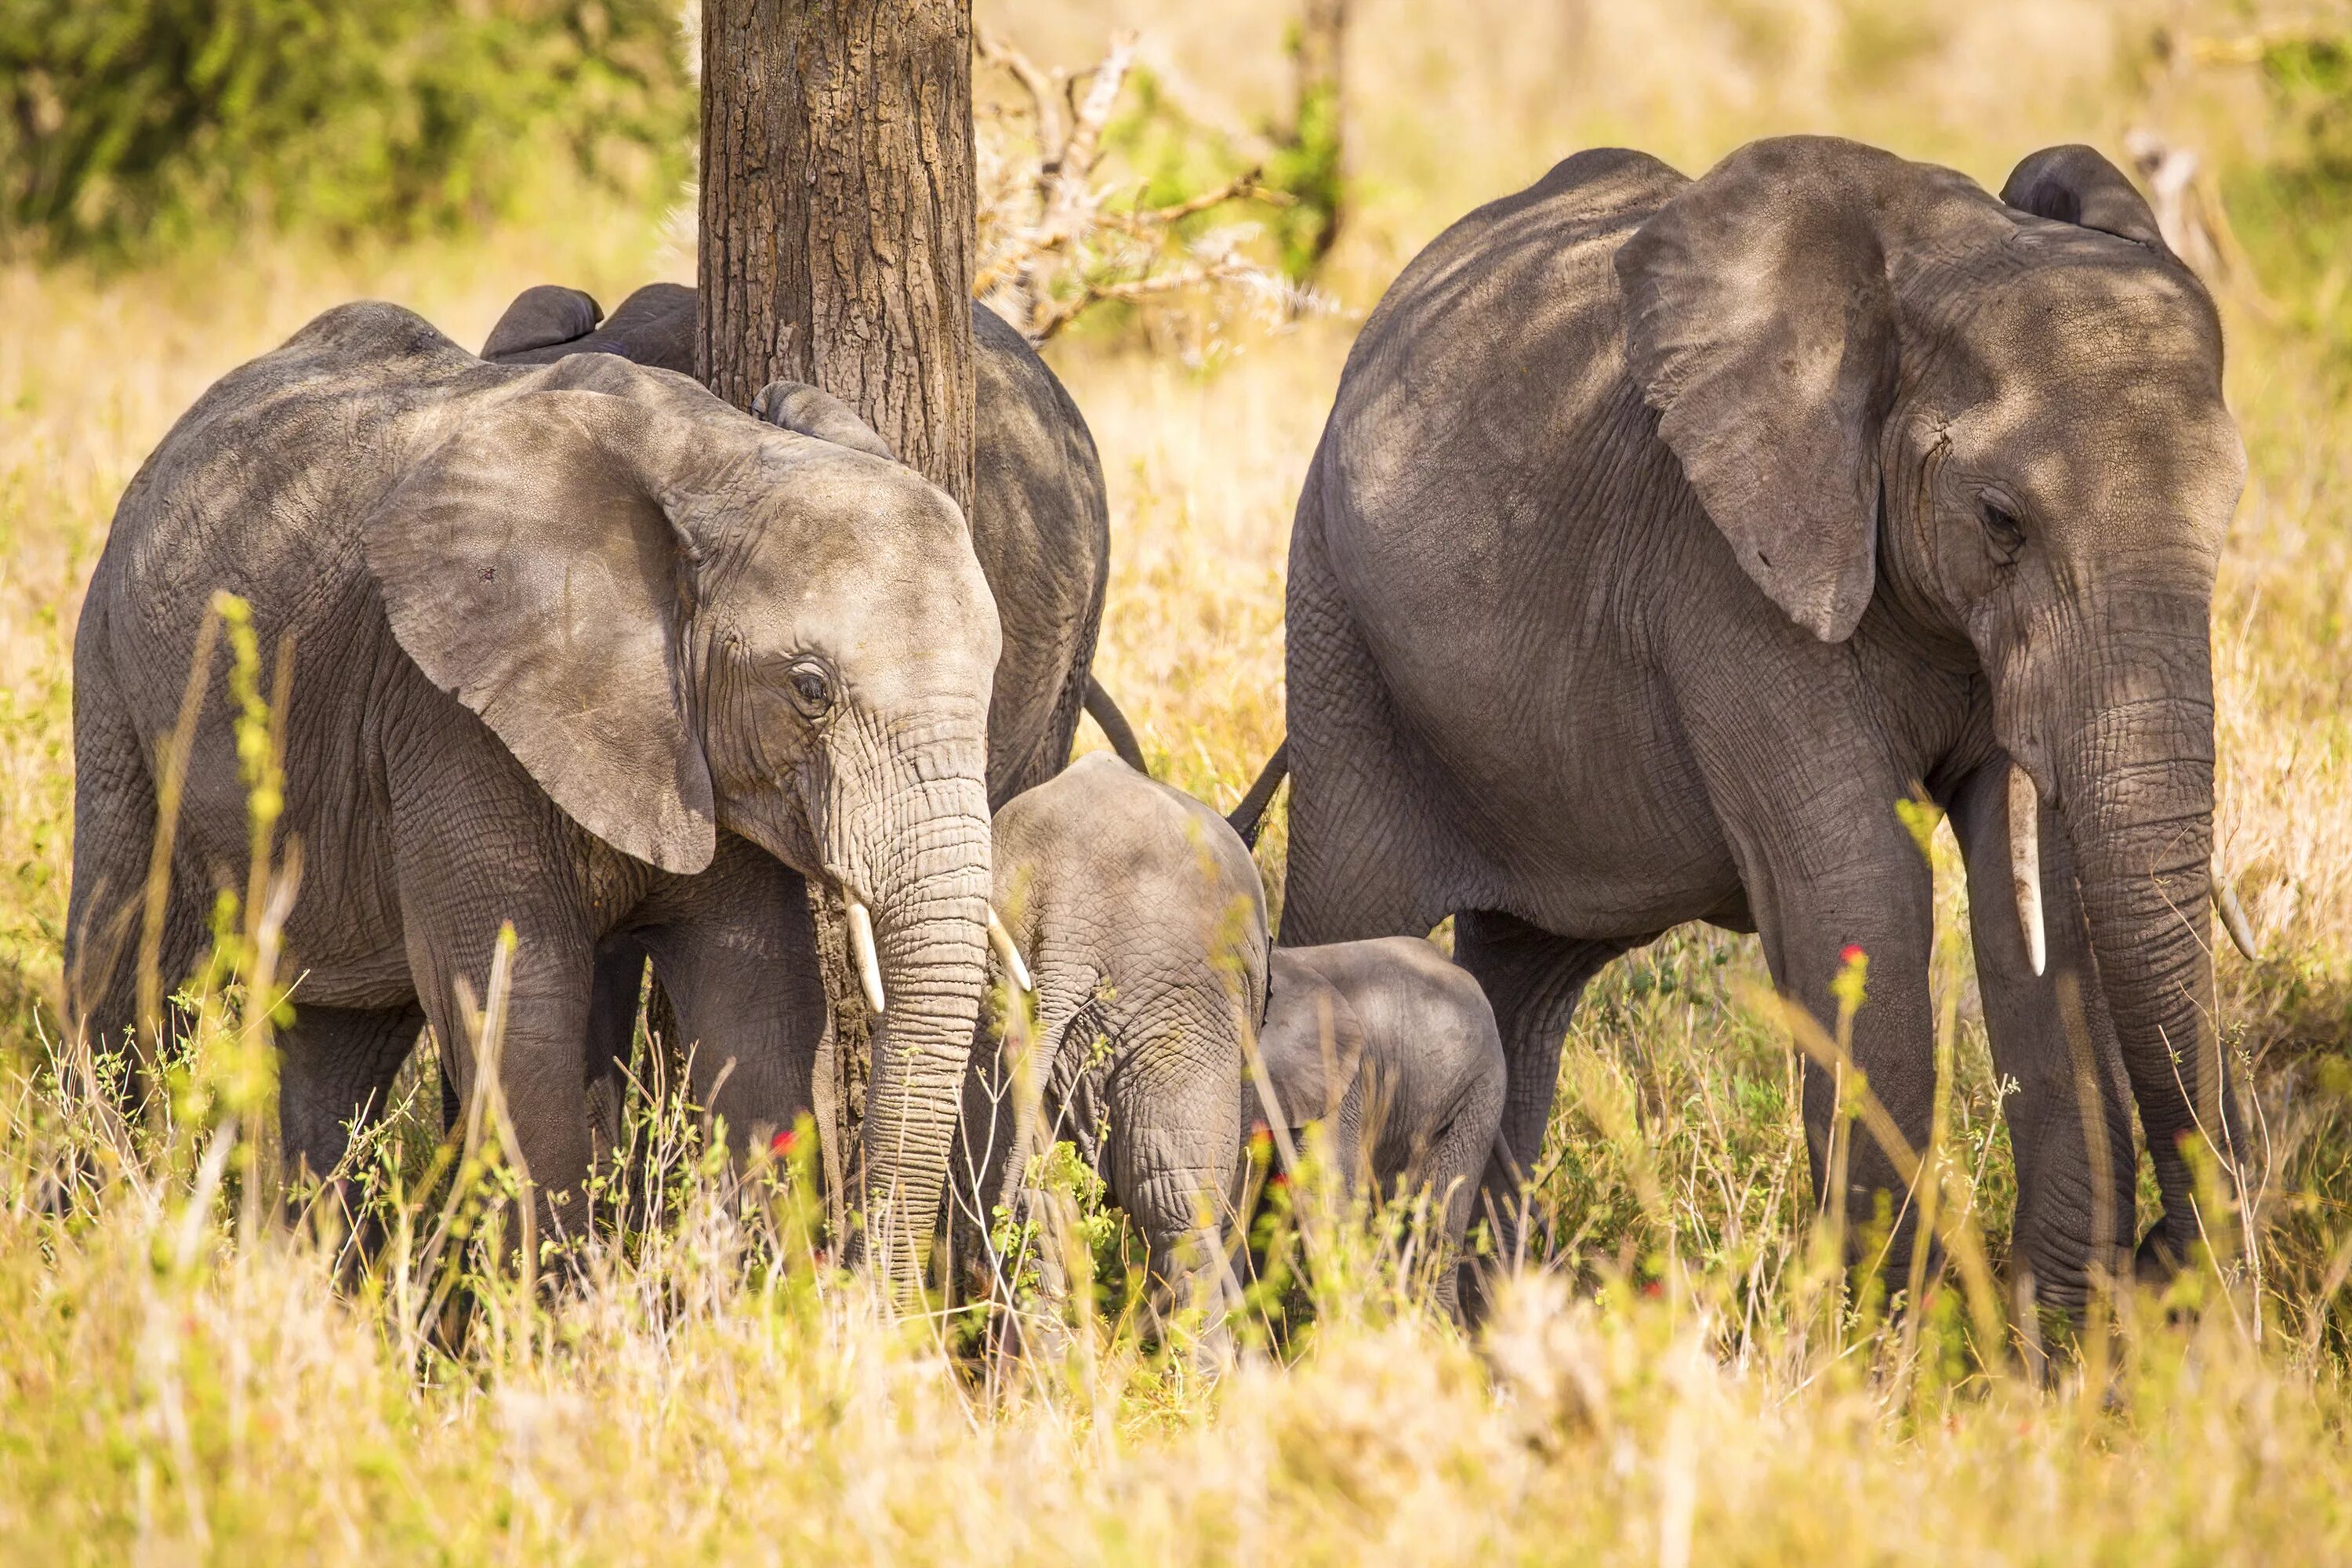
[
  {"x": 678, "y": 619},
  {"x": 1999, "y": 424}
]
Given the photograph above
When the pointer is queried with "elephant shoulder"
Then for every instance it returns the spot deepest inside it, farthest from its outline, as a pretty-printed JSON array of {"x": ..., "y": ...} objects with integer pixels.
[{"x": 1533, "y": 238}]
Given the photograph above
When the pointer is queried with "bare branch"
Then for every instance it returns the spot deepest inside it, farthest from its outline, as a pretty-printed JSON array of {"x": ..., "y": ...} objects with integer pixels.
[
  {"x": 1055, "y": 243},
  {"x": 1044, "y": 88}
]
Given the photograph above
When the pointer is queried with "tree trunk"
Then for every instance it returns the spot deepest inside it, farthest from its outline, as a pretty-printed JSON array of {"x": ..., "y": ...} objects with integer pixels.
[{"x": 837, "y": 236}]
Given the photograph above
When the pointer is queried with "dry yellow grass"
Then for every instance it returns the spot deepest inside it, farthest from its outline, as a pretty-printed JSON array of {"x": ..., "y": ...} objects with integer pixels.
[{"x": 1681, "y": 1390}]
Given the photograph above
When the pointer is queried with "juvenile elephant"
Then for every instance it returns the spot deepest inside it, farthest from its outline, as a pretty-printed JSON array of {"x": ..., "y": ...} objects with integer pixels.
[
  {"x": 1040, "y": 527},
  {"x": 1666, "y": 533},
  {"x": 577, "y": 647},
  {"x": 1396, "y": 1050},
  {"x": 1142, "y": 923}
]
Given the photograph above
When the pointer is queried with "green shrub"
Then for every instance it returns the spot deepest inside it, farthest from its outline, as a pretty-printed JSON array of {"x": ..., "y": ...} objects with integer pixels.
[{"x": 128, "y": 124}]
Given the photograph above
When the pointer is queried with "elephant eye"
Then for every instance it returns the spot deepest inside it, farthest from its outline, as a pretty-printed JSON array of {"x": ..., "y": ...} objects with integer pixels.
[
  {"x": 2003, "y": 527},
  {"x": 810, "y": 688}
]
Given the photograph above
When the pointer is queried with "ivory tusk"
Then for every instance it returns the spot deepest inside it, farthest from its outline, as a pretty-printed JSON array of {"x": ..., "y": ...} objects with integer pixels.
[
  {"x": 2232, "y": 913},
  {"x": 861, "y": 949},
  {"x": 2025, "y": 863},
  {"x": 1002, "y": 940}
]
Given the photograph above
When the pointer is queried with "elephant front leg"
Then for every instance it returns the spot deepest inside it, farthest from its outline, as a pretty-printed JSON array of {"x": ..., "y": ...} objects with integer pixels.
[
  {"x": 2070, "y": 1121},
  {"x": 1850, "y": 885},
  {"x": 531, "y": 1028}
]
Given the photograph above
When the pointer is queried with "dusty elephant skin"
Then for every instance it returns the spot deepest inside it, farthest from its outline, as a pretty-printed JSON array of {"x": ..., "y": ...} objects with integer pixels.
[
  {"x": 576, "y": 647},
  {"x": 1396, "y": 1050},
  {"x": 1142, "y": 923},
  {"x": 1665, "y": 532}
]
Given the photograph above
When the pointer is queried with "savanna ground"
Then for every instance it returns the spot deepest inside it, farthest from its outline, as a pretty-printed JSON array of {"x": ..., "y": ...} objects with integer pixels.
[{"x": 1676, "y": 1379}]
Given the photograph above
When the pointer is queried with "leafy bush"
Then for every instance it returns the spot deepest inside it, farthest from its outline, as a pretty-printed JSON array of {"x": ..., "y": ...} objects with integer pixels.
[{"x": 127, "y": 125}]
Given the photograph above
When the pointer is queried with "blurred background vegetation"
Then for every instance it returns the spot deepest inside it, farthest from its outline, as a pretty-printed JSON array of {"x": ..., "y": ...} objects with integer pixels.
[{"x": 128, "y": 126}]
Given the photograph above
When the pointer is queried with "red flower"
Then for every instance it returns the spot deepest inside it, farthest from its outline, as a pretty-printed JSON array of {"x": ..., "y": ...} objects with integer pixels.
[
  {"x": 1852, "y": 953},
  {"x": 781, "y": 1143},
  {"x": 1654, "y": 1288},
  {"x": 1279, "y": 1179}
]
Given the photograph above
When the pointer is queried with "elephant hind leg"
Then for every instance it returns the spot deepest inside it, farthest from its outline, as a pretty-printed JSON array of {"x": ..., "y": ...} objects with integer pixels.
[
  {"x": 1371, "y": 853},
  {"x": 114, "y": 843},
  {"x": 1533, "y": 979}
]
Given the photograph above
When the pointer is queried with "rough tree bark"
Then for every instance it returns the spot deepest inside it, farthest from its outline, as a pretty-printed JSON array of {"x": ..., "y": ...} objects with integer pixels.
[{"x": 837, "y": 233}]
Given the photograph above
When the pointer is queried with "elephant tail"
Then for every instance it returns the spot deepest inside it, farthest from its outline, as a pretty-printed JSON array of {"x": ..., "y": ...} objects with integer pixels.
[
  {"x": 1250, "y": 815},
  {"x": 1114, "y": 726}
]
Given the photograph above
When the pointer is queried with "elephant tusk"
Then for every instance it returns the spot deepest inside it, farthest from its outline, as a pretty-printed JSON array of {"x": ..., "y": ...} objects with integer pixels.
[
  {"x": 861, "y": 949},
  {"x": 1002, "y": 940},
  {"x": 2232, "y": 913},
  {"x": 2025, "y": 863}
]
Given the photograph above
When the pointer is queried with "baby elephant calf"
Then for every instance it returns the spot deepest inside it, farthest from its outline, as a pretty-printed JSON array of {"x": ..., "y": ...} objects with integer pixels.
[{"x": 1396, "y": 1050}]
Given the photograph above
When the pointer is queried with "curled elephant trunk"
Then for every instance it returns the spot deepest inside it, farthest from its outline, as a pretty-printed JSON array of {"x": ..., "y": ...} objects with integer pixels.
[
  {"x": 921, "y": 950},
  {"x": 2136, "y": 791}
]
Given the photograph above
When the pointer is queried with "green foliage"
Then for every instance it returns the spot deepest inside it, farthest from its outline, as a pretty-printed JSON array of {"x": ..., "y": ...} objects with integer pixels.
[
  {"x": 1305, "y": 168},
  {"x": 127, "y": 125},
  {"x": 2293, "y": 212},
  {"x": 1180, "y": 158}
]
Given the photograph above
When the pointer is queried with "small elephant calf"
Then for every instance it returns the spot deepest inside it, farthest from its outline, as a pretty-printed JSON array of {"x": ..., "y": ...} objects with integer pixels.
[
  {"x": 1396, "y": 1048},
  {"x": 1142, "y": 921}
]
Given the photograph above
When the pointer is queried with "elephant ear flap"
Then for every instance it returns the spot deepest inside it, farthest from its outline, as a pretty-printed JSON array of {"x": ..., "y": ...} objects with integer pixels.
[
  {"x": 1312, "y": 1042},
  {"x": 1759, "y": 324},
  {"x": 542, "y": 318},
  {"x": 529, "y": 571},
  {"x": 2077, "y": 184}
]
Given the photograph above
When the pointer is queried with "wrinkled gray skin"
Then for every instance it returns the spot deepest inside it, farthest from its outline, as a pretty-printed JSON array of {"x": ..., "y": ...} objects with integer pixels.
[
  {"x": 1143, "y": 924},
  {"x": 1665, "y": 532},
  {"x": 1040, "y": 526},
  {"x": 579, "y": 648},
  {"x": 1396, "y": 1050}
]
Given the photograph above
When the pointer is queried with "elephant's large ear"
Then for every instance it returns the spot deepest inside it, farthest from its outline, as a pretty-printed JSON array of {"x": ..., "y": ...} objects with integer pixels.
[
  {"x": 542, "y": 318},
  {"x": 530, "y": 569},
  {"x": 1312, "y": 1042},
  {"x": 2077, "y": 184},
  {"x": 1760, "y": 323}
]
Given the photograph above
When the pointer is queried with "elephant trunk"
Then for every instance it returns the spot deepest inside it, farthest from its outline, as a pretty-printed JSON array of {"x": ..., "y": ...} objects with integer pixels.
[
  {"x": 2135, "y": 788},
  {"x": 926, "y": 881}
]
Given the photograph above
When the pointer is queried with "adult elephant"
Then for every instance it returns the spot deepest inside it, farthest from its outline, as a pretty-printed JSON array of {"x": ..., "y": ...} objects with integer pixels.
[
  {"x": 1665, "y": 533},
  {"x": 578, "y": 647}
]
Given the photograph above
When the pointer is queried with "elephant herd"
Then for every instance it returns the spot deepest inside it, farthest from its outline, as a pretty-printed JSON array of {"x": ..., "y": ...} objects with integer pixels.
[{"x": 1664, "y": 534}]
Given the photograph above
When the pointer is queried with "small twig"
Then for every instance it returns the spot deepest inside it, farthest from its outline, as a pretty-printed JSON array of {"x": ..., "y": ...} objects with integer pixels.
[{"x": 1043, "y": 86}]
